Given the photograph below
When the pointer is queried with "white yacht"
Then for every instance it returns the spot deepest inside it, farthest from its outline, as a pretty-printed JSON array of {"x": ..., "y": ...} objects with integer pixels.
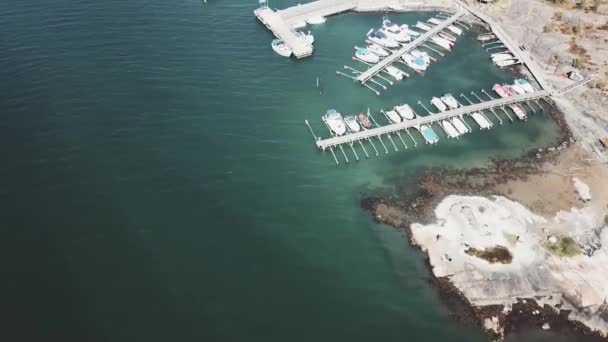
[
  {"x": 455, "y": 29},
  {"x": 393, "y": 116},
  {"x": 506, "y": 63},
  {"x": 460, "y": 126},
  {"x": 442, "y": 42},
  {"x": 449, "y": 129},
  {"x": 439, "y": 104},
  {"x": 378, "y": 37},
  {"x": 395, "y": 72},
  {"x": 497, "y": 57},
  {"x": 435, "y": 21},
  {"x": 376, "y": 49},
  {"x": 481, "y": 120},
  {"x": 422, "y": 26},
  {"x": 525, "y": 85},
  {"x": 417, "y": 60},
  {"x": 409, "y": 31},
  {"x": 279, "y": 47},
  {"x": 315, "y": 20},
  {"x": 521, "y": 114},
  {"x": 518, "y": 89},
  {"x": 449, "y": 100},
  {"x": 428, "y": 134},
  {"x": 352, "y": 124},
  {"x": 333, "y": 119},
  {"x": 366, "y": 56},
  {"x": 405, "y": 111},
  {"x": 394, "y": 31}
]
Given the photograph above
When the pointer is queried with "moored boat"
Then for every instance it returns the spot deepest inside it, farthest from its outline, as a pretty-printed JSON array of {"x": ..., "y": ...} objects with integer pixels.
[
  {"x": 506, "y": 63},
  {"x": 422, "y": 26},
  {"x": 500, "y": 90},
  {"x": 449, "y": 129},
  {"x": 376, "y": 49},
  {"x": 485, "y": 37},
  {"x": 459, "y": 125},
  {"x": 279, "y": 47},
  {"x": 518, "y": 89},
  {"x": 333, "y": 119},
  {"x": 395, "y": 32},
  {"x": 521, "y": 114},
  {"x": 435, "y": 21},
  {"x": 428, "y": 134},
  {"x": 364, "y": 121},
  {"x": 405, "y": 111},
  {"x": 497, "y": 57},
  {"x": 448, "y": 38},
  {"x": 455, "y": 29},
  {"x": 509, "y": 90},
  {"x": 395, "y": 73},
  {"x": 442, "y": 42},
  {"x": 409, "y": 31},
  {"x": 316, "y": 20},
  {"x": 481, "y": 120},
  {"x": 352, "y": 124},
  {"x": 378, "y": 37},
  {"x": 525, "y": 85},
  {"x": 393, "y": 116},
  {"x": 418, "y": 62},
  {"x": 366, "y": 56},
  {"x": 450, "y": 100},
  {"x": 438, "y": 104}
]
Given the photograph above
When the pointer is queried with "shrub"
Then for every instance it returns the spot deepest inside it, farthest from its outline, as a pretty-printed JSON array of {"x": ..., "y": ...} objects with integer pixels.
[{"x": 565, "y": 246}]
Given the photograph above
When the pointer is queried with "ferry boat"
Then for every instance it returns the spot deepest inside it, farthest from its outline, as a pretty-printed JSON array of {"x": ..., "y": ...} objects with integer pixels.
[
  {"x": 500, "y": 90},
  {"x": 333, "y": 119},
  {"x": 422, "y": 26},
  {"x": 366, "y": 56},
  {"x": 364, "y": 121},
  {"x": 455, "y": 29},
  {"x": 481, "y": 120},
  {"x": 438, "y": 104},
  {"x": 409, "y": 31},
  {"x": 449, "y": 129},
  {"x": 435, "y": 21},
  {"x": 518, "y": 89},
  {"x": 428, "y": 134},
  {"x": 485, "y": 37},
  {"x": 497, "y": 57},
  {"x": 376, "y": 49},
  {"x": 525, "y": 85},
  {"x": 449, "y": 100},
  {"x": 279, "y": 47},
  {"x": 521, "y": 114},
  {"x": 316, "y": 20},
  {"x": 352, "y": 124},
  {"x": 405, "y": 111},
  {"x": 442, "y": 42},
  {"x": 395, "y": 73},
  {"x": 307, "y": 36},
  {"x": 506, "y": 63},
  {"x": 393, "y": 116},
  {"x": 381, "y": 39},
  {"x": 460, "y": 126}
]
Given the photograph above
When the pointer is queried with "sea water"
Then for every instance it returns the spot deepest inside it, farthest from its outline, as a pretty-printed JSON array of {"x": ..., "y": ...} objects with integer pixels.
[{"x": 158, "y": 181}]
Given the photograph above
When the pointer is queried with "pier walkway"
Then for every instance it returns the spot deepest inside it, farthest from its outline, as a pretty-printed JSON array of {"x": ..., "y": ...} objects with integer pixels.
[
  {"x": 275, "y": 23},
  {"x": 392, "y": 128},
  {"x": 575, "y": 85},
  {"x": 320, "y": 8},
  {"x": 374, "y": 70}
]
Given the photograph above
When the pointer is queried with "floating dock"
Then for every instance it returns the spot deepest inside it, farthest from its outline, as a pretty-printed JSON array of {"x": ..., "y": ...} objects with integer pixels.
[{"x": 337, "y": 141}]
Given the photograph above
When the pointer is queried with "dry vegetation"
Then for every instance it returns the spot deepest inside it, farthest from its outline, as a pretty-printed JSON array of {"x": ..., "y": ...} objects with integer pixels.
[{"x": 497, "y": 254}]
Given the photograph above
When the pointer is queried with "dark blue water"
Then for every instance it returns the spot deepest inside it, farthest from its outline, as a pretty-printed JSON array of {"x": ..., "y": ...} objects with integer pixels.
[{"x": 158, "y": 182}]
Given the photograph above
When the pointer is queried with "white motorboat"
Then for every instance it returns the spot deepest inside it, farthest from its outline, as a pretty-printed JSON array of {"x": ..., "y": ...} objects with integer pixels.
[
  {"x": 405, "y": 111},
  {"x": 435, "y": 21},
  {"x": 279, "y": 47},
  {"x": 395, "y": 72},
  {"x": 377, "y": 50},
  {"x": 315, "y": 20},
  {"x": 439, "y": 104},
  {"x": 460, "y": 126},
  {"x": 518, "y": 89},
  {"x": 333, "y": 119},
  {"x": 417, "y": 60},
  {"x": 525, "y": 85},
  {"x": 399, "y": 36},
  {"x": 445, "y": 44},
  {"x": 378, "y": 37},
  {"x": 409, "y": 31},
  {"x": 307, "y": 36},
  {"x": 422, "y": 26},
  {"x": 428, "y": 134},
  {"x": 455, "y": 29},
  {"x": 497, "y": 57},
  {"x": 450, "y": 100},
  {"x": 449, "y": 129},
  {"x": 506, "y": 63},
  {"x": 481, "y": 120},
  {"x": 352, "y": 124},
  {"x": 366, "y": 55},
  {"x": 393, "y": 116},
  {"x": 452, "y": 40},
  {"x": 521, "y": 114},
  {"x": 500, "y": 90}
]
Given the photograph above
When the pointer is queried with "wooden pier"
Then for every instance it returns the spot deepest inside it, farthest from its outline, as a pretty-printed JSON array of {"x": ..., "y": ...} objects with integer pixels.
[
  {"x": 371, "y": 72},
  {"x": 324, "y": 144}
]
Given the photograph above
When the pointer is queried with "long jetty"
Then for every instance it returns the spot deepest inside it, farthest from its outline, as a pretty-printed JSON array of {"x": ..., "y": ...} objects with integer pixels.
[
  {"x": 371, "y": 72},
  {"x": 392, "y": 128}
]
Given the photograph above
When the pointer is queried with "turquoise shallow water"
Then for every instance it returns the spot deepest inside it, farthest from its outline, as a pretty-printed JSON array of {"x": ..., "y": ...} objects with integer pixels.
[{"x": 159, "y": 182}]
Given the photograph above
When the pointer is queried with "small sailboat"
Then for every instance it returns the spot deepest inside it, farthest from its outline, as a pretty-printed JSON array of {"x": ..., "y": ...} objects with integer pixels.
[
  {"x": 315, "y": 20},
  {"x": 333, "y": 119},
  {"x": 352, "y": 124},
  {"x": 364, "y": 121},
  {"x": 429, "y": 135},
  {"x": 279, "y": 47},
  {"x": 395, "y": 72},
  {"x": 366, "y": 56},
  {"x": 455, "y": 30},
  {"x": 405, "y": 111},
  {"x": 459, "y": 125},
  {"x": 525, "y": 85},
  {"x": 521, "y": 114},
  {"x": 481, "y": 120},
  {"x": 376, "y": 49},
  {"x": 449, "y": 129},
  {"x": 422, "y": 26},
  {"x": 439, "y": 104},
  {"x": 450, "y": 100},
  {"x": 393, "y": 116}
]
